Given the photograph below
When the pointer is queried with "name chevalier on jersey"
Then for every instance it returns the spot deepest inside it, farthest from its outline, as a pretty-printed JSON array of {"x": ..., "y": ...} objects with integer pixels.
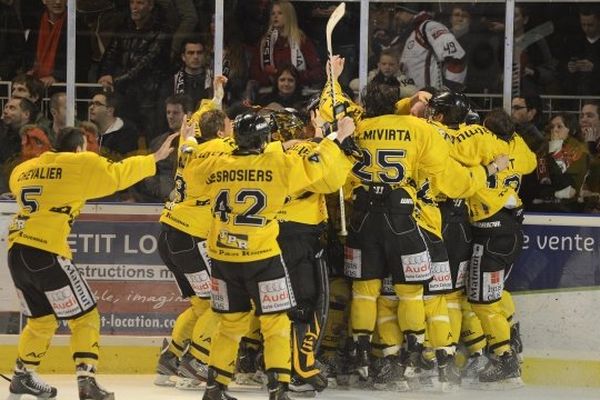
[
  {"x": 41, "y": 173},
  {"x": 244, "y": 175}
]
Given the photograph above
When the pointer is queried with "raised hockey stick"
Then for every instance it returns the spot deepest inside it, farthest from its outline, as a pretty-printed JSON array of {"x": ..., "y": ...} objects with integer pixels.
[{"x": 334, "y": 18}]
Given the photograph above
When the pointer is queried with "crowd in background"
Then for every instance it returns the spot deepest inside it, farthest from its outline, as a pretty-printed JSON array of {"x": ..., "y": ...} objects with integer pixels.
[{"x": 152, "y": 63}]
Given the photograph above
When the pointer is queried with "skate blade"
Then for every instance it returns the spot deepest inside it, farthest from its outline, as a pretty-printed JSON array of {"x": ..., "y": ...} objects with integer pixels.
[
  {"x": 302, "y": 394},
  {"x": 14, "y": 396},
  {"x": 448, "y": 387},
  {"x": 332, "y": 383},
  {"x": 165, "y": 380},
  {"x": 398, "y": 386},
  {"x": 363, "y": 372},
  {"x": 506, "y": 384},
  {"x": 190, "y": 384}
]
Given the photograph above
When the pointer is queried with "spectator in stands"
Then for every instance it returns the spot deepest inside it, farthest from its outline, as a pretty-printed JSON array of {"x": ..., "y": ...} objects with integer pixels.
[
  {"x": 90, "y": 131},
  {"x": 157, "y": 188},
  {"x": 589, "y": 120},
  {"x": 58, "y": 111},
  {"x": 12, "y": 40},
  {"x": 34, "y": 142},
  {"x": 252, "y": 16},
  {"x": 194, "y": 79},
  {"x": 283, "y": 44},
  {"x": 16, "y": 114},
  {"x": 286, "y": 90},
  {"x": 534, "y": 68},
  {"x": 102, "y": 19},
  {"x": 27, "y": 87},
  {"x": 562, "y": 167},
  {"x": 118, "y": 137},
  {"x": 135, "y": 64},
  {"x": 580, "y": 64},
  {"x": 526, "y": 114},
  {"x": 46, "y": 52},
  {"x": 235, "y": 59},
  {"x": 482, "y": 48},
  {"x": 388, "y": 72},
  {"x": 431, "y": 56}
]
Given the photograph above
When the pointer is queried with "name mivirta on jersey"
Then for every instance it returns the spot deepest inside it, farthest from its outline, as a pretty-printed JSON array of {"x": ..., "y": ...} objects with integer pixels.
[
  {"x": 241, "y": 175},
  {"x": 41, "y": 173},
  {"x": 386, "y": 134}
]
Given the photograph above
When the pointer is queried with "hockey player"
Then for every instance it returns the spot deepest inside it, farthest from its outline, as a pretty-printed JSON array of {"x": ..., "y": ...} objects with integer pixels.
[
  {"x": 182, "y": 247},
  {"x": 496, "y": 213},
  {"x": 50, "y": 191},
  {"x": 302, "y": 221},
  {"x": 246, "y": 190}
]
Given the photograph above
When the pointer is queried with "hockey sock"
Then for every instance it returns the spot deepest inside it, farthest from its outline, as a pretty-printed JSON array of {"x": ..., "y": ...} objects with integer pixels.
[
  {"x": 438, "y": 322},
  {"x": 225, "y": 343},
  {"x": 471, "y": 333},
  {"x": 276, "y": 330},
  {"x": 85, "y": 338},
  {"x": 411, "y": 310},
  {"x": 35, "y": 340},
  {"x": 495, "y": 326},
  {"x": 202, "y": 334},
  {"x": 184, "y": 325},
  {"x": 387, "y": 328},
  {"x": 363, "y": 312}
]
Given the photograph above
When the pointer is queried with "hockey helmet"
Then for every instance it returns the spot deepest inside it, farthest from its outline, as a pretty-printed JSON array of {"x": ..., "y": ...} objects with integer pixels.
[
  {"x": 251, "y": 131},
  {"x": 454, "y": 106},
  {"x": 285, "y": 125}
]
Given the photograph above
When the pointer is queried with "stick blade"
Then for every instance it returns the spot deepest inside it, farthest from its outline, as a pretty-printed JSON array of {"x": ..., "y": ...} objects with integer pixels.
[{"x": 334, "y": 18}]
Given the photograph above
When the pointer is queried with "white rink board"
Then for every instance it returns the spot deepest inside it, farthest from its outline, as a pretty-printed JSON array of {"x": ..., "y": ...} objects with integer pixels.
[{"x": 560, "y": 325}]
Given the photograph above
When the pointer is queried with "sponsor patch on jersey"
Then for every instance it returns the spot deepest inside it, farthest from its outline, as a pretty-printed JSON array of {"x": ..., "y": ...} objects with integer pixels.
[
  {"x": 203, "y": 248},
  {"x": 475, "y": 274},
  {"x": 200, "y": 282},
  {"x": 461, "y": 275},
  {"x": 80, "y": 288},
  {"x": 274, "y": 295},
  {"x": 352, "y": 262},
  {"x": 387, "y": 287},
  {"x": 63, "y": 302},
  {"x": 24, "y": 306},
  {"x": 417, "y": 267},
  {"x": 218, "y": 294},
  {"x": 493, "y": 284},
  {"x": 441, "y": 278}
]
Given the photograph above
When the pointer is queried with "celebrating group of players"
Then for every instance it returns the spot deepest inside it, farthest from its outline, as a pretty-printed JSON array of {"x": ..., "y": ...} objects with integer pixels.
[{"x": 434, "y": 228}]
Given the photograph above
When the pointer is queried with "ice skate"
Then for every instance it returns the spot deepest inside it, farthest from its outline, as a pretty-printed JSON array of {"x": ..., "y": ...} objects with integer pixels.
[
  {"x": 412, "y": 357},
  {"x": 448, "y": 374},
  {"x": 516, "y": 343},
  {"x": 329, "y": 370},
  {"x": 361, "y": 356},
  {"x": 28, "y": 383},
  {"x": 166, "y": 368},
  {"x": 90, "y": 390},
  {"x": 192, "y": 373},
  {"x": 247, "y": 362},
  {"x": 501, "y": 373},
  {"x": 215, "y": 390},
  {"x": 277, "y": 390},
  {"x": 388, "y": 374},
  {"x": 301, "y": 388},
  {"x": 470, "y": 373}
]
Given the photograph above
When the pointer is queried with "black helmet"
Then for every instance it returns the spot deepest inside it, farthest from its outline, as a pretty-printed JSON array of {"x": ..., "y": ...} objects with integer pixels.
[
  {"x": 250, "y": 131},
  {"x": 472, "y": 118},
  {"x": 454, "y": 106}
]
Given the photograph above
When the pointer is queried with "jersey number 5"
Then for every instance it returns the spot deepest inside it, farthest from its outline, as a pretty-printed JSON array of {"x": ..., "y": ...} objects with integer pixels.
[
  {"x": 257, "y": 200},
  {"x": 28, "y": 195}
]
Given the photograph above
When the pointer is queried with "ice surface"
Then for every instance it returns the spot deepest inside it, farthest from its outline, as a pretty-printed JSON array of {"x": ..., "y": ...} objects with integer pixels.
[{"x": 140, "y": 387}]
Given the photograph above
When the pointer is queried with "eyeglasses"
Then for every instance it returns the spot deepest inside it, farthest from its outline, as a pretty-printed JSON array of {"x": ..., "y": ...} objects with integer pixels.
[
  {"x": 97, "y": 104},
  {"x": 517, "y": 108}
]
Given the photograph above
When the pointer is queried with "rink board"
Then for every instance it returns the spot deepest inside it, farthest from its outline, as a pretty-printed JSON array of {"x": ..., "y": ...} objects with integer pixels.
[{"x": 556, "y": 286}]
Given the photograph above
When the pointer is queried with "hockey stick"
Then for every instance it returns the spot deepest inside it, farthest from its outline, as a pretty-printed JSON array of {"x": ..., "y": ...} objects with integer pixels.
[{"x": 334, "y": 18}]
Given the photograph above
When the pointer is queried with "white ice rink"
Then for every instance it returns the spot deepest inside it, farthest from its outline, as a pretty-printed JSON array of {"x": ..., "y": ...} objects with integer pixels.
[{"x": 140, "y": 387}]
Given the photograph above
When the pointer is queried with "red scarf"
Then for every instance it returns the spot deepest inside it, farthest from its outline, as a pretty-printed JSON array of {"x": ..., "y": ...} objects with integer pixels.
[{"x": 46, "y": 46}]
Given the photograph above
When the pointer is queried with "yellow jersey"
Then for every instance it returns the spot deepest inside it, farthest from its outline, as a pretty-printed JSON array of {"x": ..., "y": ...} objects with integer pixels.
[
  {"x": 308, "y": 206},
  {"x": 502, "y": 189},
  {"x": 192, "y": 214},
  {"x": 247, "y": 191},
  {"x": 401, "y": 149},
  {"x": 52, "y": 188}
]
